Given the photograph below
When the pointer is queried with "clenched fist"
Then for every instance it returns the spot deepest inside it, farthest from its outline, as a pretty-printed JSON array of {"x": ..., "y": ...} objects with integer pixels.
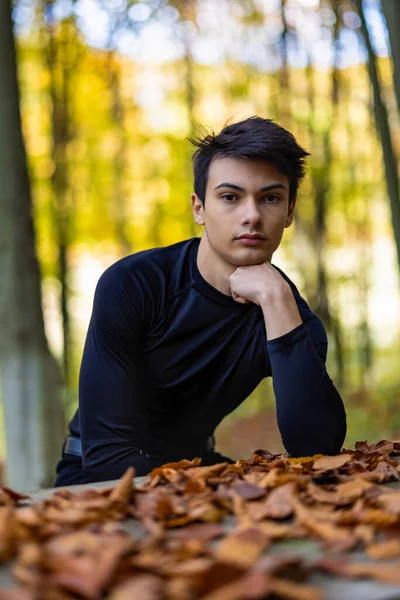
[
  {"x": 258, "y": 284},
  {"x": 265, "y": 286}
]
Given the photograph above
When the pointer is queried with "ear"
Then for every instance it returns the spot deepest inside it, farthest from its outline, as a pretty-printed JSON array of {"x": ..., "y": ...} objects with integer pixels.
[
  {"x": 198, "y": 209},
  {"x": 290, "y": 215}
]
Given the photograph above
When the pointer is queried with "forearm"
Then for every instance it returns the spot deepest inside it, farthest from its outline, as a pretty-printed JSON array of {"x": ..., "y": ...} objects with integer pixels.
[
  {"x": 310, "y": 411},
  {"x": 281, "y": 314},
  {"x": 107, "y": 394},
  {"x": 107, "y": 461}
]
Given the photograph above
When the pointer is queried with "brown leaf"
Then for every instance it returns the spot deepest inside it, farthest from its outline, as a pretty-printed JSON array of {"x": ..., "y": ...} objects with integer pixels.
[
  {"x": 262, "y": 454},
  {"x": 142, "y": 587},
  {"x": 384, "y": 447},
  {"x": 276, "y": 531},
  {"x": 208, "y": 472},
  {"x": 385, "y": 572},
  {"x": 373, "y": 516},
  {"x": 10, "y": 497},
  {"x": 385, "y": 549},
  {"x": 295, "y": 591},
  {"x": 178, "y": 588},
  {"x": 203, "y": 532},
  {"x": 248, "y": 491},
  {"x": 26, "y": 569},
  {"x": 326, "y": 463},
  {"x": 251, "y": 586},
  {"x": 345, "y": 493},
  {"x": 390, "y": 502},
  {"x": 279, "y": 503},
  {"x": 242, "y": 547},
  {"x": 339, "y": 538},
  {"x": 364, "y": 533},
  {"x": 8, "y": 528},
  {"x": 165, "y": 470},
  {"x": 84, "y": 562},
  {"x": 188, "y": 568},
  {"x": 219, "y": 573},
  {"x": 282, "y": 566},
  {"x": 122, "y": 493},
  {"x": 271, "y": 479},
  {"x": 254, "y": 477}
]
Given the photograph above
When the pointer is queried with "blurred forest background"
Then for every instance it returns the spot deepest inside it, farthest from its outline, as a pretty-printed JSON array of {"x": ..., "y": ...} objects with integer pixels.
[{"x": 109, "y": 91}]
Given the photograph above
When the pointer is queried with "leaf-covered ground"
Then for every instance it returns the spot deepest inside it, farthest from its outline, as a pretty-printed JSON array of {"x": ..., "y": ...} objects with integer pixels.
[{"x": 74, "y": 545}]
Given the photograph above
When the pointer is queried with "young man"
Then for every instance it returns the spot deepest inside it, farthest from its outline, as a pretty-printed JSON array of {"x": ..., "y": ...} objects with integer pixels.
[{"x": 180, "y": 336}]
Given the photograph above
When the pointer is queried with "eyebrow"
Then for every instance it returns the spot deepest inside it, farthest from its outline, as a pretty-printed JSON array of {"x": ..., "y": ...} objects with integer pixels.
[{"x": 238, "y": 188}]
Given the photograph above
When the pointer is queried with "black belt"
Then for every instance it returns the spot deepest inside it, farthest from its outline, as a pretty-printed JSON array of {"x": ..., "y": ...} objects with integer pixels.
[{"x": 73, "y": 445}]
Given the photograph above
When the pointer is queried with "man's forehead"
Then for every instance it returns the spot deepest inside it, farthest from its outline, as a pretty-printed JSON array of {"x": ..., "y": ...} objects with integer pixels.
[{"x": 240, "y": 170}]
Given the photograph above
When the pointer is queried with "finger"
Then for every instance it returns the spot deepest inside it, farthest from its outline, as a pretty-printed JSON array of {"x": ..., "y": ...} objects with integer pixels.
[
  {"x": 241, "y": 300},
  {"x": 238, "y": 298}
]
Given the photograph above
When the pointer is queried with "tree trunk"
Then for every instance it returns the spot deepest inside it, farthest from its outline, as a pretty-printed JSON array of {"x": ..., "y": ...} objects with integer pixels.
[
  {"x": 321, "y": 179},
  {"x": 58, "y": 60},
  {"x": 382, "y": 125},
  {"x": 30, "y": 379},
  {"x": 188, "y": 10},
  {"x": 283, "y": 105},
  {"x": 119, "y": 191},
  {"x": 391, "y": 10}
]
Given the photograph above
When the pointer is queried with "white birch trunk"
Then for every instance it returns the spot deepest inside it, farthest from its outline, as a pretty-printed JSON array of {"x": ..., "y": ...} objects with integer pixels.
[{"x": 29, "y": 377}]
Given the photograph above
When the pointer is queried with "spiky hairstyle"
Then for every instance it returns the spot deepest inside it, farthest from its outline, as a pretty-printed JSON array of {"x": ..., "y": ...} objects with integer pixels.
[{"x": 253, "y": 138}]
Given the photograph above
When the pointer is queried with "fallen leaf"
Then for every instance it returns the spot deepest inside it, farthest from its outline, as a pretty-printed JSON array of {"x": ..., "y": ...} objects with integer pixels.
[
  {"x": 279, "y": 503},
  {"x": 142, "y": 587},
  {"x": 248, "y": 491},
  {"x": 326, "y": 463},
  {"x": 295, "y": 591},
  {"x": 200, "y": 531},
  {"x": 385, "y": 572},
  {"x": 337, "y": 537},
  {"x": 345, "y": 493},
  {"x": 390, "y": 502},
  {"x": 8, "y": 528},
  {"x": 242, "y": 547},
  {"x": 122, "y": 493},
  {"x": 384, "y": 549}
]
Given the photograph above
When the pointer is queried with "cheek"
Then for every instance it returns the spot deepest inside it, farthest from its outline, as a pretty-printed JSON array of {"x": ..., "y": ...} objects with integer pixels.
[
  {"x": 218, "y": 223},
  {"x": 275, "y": 226}
]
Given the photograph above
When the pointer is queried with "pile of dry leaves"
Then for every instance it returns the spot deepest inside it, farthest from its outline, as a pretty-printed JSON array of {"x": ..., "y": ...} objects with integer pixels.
[{"x": 208, "y": 529}]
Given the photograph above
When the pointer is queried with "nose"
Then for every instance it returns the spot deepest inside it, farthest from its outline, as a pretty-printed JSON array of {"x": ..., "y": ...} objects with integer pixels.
[{"x": 251, "y": 213}]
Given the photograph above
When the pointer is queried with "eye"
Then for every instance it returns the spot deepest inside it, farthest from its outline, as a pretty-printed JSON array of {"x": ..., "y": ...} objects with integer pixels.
[
  {"x": 229, "y": 197},
  {"x": 272, "y": 198}
]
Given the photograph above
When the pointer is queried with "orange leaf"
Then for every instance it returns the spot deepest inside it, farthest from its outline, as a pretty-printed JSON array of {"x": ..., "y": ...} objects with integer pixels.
[
  {"x": 242, "y": 547},
  {"x": 143, "y": 587},
  {"x": 385, "y": 549},
  {"x": 326, "y": 463}
]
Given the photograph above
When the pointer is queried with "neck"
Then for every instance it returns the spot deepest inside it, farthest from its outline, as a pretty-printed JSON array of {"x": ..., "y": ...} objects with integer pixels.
[{"x": 212, "y": 268}]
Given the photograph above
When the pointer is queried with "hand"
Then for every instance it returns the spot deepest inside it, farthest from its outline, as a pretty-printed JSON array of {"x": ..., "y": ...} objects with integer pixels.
[
  {"x": 258, "y": 284},
  {"x": 265, "y": 286}
]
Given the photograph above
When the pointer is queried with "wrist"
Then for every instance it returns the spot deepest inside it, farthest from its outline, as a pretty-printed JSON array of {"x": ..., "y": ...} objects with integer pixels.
[{"x": 276, "y": 297}]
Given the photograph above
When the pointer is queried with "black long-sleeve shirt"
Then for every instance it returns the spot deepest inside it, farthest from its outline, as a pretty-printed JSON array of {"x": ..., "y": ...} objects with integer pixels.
[{"x": 167, "y": 357}]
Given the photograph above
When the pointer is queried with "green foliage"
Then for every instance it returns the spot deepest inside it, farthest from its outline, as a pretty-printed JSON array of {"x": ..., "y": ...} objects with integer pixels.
[{"x": 137, "y": 163}]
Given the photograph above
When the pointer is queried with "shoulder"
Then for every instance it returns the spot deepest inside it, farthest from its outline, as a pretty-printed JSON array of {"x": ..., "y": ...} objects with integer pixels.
[
  {"x": 142, "y": 282},
  {"x": 147, "y": 268}
]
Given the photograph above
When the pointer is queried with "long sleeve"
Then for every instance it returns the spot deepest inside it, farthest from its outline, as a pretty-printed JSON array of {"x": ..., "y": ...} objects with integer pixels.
[
  {"x": 310, "y": 412},
  {"x": 108, "y": 375}
]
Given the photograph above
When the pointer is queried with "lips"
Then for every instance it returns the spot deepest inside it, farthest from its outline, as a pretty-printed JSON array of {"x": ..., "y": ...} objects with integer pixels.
[{"x": 249, "y": 239}]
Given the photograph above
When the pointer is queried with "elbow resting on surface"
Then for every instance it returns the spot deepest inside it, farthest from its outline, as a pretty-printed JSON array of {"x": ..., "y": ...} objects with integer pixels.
[{"x": 302, "y": 443}]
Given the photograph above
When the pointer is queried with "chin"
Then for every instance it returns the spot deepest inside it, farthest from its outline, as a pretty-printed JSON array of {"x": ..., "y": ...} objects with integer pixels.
[{"x": 250, "y": 257}]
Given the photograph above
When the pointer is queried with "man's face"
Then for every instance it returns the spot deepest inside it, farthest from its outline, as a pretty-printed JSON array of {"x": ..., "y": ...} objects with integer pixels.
[{"x": 244, "y": 196}]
